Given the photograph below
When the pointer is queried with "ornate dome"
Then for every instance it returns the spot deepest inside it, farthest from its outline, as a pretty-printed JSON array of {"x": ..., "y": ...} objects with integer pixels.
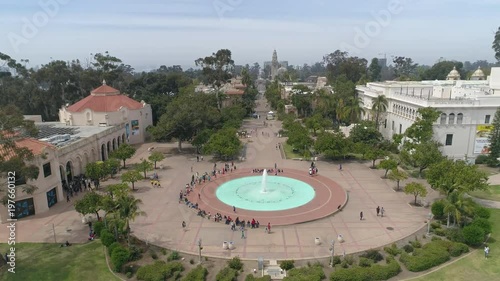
[
  {"x": 478, "y": 74},
  {"x": 453, "y": 75}
]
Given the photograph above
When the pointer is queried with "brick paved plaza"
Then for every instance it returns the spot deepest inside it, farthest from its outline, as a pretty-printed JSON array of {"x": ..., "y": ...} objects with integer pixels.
[{"x": 162, "y": 226}]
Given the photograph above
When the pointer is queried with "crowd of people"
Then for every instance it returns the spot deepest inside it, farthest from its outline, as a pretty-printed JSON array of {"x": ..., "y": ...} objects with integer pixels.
[{"x": 78, "y": 184}]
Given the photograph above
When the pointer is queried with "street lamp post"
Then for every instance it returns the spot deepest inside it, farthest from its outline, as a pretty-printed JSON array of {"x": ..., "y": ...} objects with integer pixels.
[
  {"x": 429, "y": 224},
  {"x": 332, "y": 251},
  {"x": 199, "y": 249}
]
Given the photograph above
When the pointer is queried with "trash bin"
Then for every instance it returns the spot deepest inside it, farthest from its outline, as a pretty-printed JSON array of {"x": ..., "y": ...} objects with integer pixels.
[
  {"x": 317, "y": 241},
  {"x": 231, "y": 245},
  {"x": 225, "y": 245}
]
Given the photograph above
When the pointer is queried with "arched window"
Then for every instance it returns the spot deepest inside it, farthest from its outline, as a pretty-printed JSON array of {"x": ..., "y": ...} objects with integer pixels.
[
  {"x": 460, "y": 118},
  {"x": 451, "y": 119},
  {"x": 443, "y": 119}
]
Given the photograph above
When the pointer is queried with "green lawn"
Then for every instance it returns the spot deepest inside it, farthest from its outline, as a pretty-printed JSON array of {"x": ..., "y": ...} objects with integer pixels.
[
  {"x": 289, "y": 153},
  {"x": 493, "y": 193},
  {"x": 51, "y": 262},
  {"x": 474, "y": 267}
]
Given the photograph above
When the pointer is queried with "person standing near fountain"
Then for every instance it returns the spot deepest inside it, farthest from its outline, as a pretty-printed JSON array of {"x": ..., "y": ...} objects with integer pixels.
[
  {"x": 234, "y": 209},
  {"x": 268, "y": 227}
]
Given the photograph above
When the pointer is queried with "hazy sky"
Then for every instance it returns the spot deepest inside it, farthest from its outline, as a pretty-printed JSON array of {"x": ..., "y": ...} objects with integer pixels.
[{"x": 149, "y": 33}]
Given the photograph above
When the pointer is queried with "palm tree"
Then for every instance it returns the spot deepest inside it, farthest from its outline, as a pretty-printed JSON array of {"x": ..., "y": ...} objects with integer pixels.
[
  {"x": 355, "y": 109},
  {"x": 379, "y": 105},
  {"x": 128, "y": 210},
  {"x": 458, "y": 206}
]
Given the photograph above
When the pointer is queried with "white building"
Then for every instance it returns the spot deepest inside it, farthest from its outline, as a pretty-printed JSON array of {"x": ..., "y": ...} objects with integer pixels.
[
  {"x": 105, "y": 106},
  {"x": 88, "y": 131},
  {"x": 468, "y": 108}
]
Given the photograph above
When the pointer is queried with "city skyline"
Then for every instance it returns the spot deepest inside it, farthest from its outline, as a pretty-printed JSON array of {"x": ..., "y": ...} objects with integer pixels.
[{"x": 153, "y": 33}]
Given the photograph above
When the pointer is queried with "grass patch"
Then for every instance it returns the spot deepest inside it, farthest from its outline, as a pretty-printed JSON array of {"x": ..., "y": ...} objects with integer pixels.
[
  {"x": 289, "y": 152},
  {"x": 492, "y": 193},
  {"x": 41, "y": 262},
  {"x": 474, "y": 266}
]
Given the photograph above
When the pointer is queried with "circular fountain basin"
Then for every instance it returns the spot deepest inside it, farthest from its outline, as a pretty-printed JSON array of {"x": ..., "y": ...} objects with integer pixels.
[{"x": 281, "y": 193}]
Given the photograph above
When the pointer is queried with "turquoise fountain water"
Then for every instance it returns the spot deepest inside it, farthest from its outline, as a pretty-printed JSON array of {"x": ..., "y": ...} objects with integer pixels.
[{"x": 265, "y": 193}]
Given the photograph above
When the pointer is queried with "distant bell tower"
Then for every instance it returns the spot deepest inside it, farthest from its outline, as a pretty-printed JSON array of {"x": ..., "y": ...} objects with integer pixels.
[{"x": 275, "y": 65}]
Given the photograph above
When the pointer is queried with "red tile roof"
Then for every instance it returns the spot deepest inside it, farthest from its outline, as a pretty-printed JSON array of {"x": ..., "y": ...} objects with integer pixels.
[
  {"x": 36, "y": 146},
  {"x": 105, "y": 99},
  {"x": 234, "y": 92}
]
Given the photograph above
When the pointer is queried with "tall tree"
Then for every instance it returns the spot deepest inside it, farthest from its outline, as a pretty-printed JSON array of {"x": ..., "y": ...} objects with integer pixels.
[
  {"x": 13, "y": 156},
  {"x": 144, "y": 166},
  {"x": 91, "y": 203},
  {"x": 416, "y": 189},
  {"x": 375, "y": 70},
  {"x": 441, "y": 69},
  {"x": 224, "y": 144},
  {"x": 404, "y": 68},
  {"x": 155, "y": 157},
  {"x": 397, "y": 175},
  {"x": 340, "y": 63},
  {"x": 379, "y": 106},
  {"x": 333, "y": 146},
  {"x": 217, "y": 70},
  {"x": 496, "y": 45},
  {"x": 494, "y": 139},
  {"x": 128, "y": 210},
  {"x": 132, "y": 177}
]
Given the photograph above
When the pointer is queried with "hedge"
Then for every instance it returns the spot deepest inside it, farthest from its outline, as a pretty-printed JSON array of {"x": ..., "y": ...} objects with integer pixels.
[
  {"x": 473, "y": 235},
  {"x": 112, "y": 247},
  {"x": 97, "y": 227},
  {"x": 455, "y": 235},
  {"x": 392, "y": 250},
  {"x": 372, "y": 273},
  {"x": 309, "y": 273},
  {"x": 484, "y": 224},
  {"x": 227, "y": 274},
  {"x": 432, "y": 254},
  {"x": 437, "y": 209},
  {"x": 119, "y": 257},
  {"x": 159, "y": 271},
  {"x": 482, "y": 212},
  {"x": 107, "y": 238},
  {"x": 250, "y": 277},
  {"x": 197, "y": 274}
]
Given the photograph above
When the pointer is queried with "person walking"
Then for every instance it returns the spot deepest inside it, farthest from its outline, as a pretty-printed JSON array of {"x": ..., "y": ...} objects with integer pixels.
[
  {"x": 486, "y": 251},
  {"x": 340, "y": 167},
  {"x": 378, "y": 210},
  {"x": 268, "y": 227},
  {"x": 361, "y": 216},
  {"x": 243, "y": 233},
  {"x": 382, "y": 211},
  {"x": 183, "y": 224},
  {"x": 234, "y": 209}
]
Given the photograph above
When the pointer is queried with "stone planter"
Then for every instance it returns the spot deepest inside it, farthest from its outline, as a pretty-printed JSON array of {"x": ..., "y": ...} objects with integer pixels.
[{"x": 317, "y": 241}]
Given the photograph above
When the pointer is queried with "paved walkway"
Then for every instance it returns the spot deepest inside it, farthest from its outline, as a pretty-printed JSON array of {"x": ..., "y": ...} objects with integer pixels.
[{"x": 162, "y": 225}]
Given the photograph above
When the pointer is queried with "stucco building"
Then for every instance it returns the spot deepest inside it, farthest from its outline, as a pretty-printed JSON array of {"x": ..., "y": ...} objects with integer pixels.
[
  {"x": 87, "y": 131},
  {"x": 467, "y": 106}
]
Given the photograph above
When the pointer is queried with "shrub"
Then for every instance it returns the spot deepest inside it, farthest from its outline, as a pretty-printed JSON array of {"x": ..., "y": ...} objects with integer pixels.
[
  {"x": 174, "y": 256},
  {"x": 423, "y": 259},
  {"x": 198, "y": 273},
  {"x": 191, "y": 261},
  {"x": 107, "y": 238},
  {"x": 482, "y": 212},
  {"x": 119, "y": 257},
  {"x": 154, "y": 255},
  {"x": 392, "y": 250},
  {"x": 250, "y": 277},
  {"x": 287, "y": 264},
  {"x": 374, "y": 255},
  {"x": 408, "y": 248},
  {"x": 416, "y": 244},
  {"x": 435, "y": 238},
  {"x": 437, "y": 209},
  {"x": 163, "y": 252},
  {"x": 440, "y": 232},
  {"x": 349, "y": 260},
  {"x": 365, "y": 262},
  {"x": 481, "y": 159},
  {"x": 112, "y": 247},
  {"x": 455, "y": 235},
  {"x": 135, "y": 253},
  {"x": 319, "y": 264},
  {"x": 97, "y": 227},
  {"x": 311, "y": 273},
  {"x": 435, "y": 224},
  {"x": 336, "y": 260},
  {"x": 158, "y": 271},
  {"x": 483, "y": 224},
  {"x": 129, "y": 274},
  {"x": 227, "y": 274},
  {"x": 344, "y": 264},
  {"x": 372, "y": 273},
  {"x": 473, "y": 235},
  {"x": 235, "y": 263}
]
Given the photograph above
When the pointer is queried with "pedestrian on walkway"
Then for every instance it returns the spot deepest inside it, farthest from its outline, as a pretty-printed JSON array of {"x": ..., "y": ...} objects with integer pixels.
[
  {"x": 382, "y": 211},
  {"x": 340, "y": 167},
  {"x": 378, "y": 210},
  {"x": 268, "y": 227},
  {"x": 243, "y": 233},
  {"x": 361, "y": 216},
  {"x": 199, "y": 196},
  {"x": 234, "y": 209},
  {"x": 183, "y": 224}
]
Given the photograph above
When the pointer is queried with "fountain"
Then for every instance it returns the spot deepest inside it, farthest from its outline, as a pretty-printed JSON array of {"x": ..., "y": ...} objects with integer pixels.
[
  {"x": 263, "y": 193},
  {"x": 264, "y": 181}
]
